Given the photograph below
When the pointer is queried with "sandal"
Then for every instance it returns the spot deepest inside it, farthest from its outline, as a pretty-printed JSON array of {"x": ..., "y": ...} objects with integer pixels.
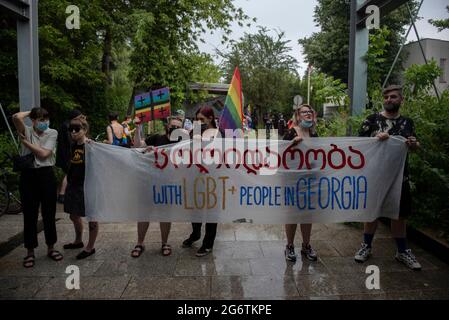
[
  {"x": 55, "y": 255},
  {"x": 166, "y": 250},
  {"x": 28, "y": 261},
  {"x": 137, "y": 251}
]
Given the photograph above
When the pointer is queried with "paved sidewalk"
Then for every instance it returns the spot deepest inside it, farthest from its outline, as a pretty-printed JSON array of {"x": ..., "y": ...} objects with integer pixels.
[{"x": 247, "y": 263}]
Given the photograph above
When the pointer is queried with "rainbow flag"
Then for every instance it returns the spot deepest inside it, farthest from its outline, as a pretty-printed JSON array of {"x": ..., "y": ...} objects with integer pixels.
[{"x": 232, "y": 115}]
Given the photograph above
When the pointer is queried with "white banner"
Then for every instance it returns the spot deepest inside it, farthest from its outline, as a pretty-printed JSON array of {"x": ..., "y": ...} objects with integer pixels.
[{"x": 321, "y": 180}]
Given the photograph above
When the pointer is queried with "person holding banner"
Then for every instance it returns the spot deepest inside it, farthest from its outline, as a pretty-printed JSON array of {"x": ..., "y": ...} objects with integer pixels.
[
  {"x": 154, "y": 141},
  {"x": 205, "y": 115},
  {"x": 387, "y": 123},
  {"x": 303, "y": 127},
  {"x": 63, "y": 151},
  {"x": 74, "y": 198}
]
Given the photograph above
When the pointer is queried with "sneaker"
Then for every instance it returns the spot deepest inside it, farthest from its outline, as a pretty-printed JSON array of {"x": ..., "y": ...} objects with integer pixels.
[
  {"x": 187, "y": 243},
  {"x": 309, "y": 253},
  {"x": 408, "y": 259},
  {"x": 289, "y": 252},
  {"x": 84, "y": 254},
  {"x": 203, "y": 252},
  {"x": 73, "y": 245},
  {"x": 363, "y": 254}
]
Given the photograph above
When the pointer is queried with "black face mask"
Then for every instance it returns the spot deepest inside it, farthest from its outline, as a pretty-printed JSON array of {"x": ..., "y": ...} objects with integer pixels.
[
  {"x": 170, "y": 130},
  {"x": 203, "y": 127},
  {"x": 391, "y": 107}
]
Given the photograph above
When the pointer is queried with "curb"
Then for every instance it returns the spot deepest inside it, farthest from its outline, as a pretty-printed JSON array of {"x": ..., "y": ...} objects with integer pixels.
[
  {"x": 429, "y": 243},
  {"x": 17, "y": 240}
]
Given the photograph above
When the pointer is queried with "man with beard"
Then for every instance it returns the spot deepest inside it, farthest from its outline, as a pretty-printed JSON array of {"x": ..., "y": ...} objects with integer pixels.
[{"x": 382, "y": 125}]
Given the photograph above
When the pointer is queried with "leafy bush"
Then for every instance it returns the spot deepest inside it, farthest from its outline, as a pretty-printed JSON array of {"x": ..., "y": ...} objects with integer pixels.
[{"x": 429, "y": 167}]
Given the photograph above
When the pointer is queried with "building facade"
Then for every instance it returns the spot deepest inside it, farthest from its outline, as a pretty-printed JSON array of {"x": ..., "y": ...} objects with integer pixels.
[{"x": 433, "y": 49}]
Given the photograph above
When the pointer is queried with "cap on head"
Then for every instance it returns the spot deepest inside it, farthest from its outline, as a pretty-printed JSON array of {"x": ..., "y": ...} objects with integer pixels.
[
  {"x": 180, "y": 113},
  {"x": 393, "y": 87}
]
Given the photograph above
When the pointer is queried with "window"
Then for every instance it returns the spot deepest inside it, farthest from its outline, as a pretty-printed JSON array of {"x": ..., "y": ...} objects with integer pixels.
[{"x": 443, "y": 68}]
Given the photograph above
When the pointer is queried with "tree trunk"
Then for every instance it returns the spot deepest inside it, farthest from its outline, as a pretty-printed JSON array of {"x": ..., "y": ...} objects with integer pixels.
[
  {"x": 131, "y": 102},
  {"x": 107, "y": 56}
]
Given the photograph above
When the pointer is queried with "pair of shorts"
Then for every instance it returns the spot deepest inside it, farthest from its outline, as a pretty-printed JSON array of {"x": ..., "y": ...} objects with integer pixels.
[{"x": 74, "y": 200}]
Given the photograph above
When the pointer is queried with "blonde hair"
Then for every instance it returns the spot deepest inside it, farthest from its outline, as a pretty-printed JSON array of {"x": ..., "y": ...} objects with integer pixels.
[
  {"x": 82, "y": 121},
  {"x": 297, "y": 123}
]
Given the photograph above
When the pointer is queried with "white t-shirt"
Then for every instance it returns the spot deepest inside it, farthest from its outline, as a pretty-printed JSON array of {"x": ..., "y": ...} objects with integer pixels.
[{"x": 47, "y": 141}]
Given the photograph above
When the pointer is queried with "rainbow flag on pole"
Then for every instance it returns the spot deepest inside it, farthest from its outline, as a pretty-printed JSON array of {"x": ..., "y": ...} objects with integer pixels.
[{"x": 232, "y": 115}]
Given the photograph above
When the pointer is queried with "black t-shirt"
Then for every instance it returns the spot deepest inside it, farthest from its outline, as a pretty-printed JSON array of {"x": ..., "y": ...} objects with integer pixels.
[
  {"x": 291, "y": 134},
  {"x": 401, "y": 126},
  {"x": 375, "y": 123},
  {"x": 77, "y": 167},
  {"x": 64, "y": 145},
  {"x": 157, "y": 140}
]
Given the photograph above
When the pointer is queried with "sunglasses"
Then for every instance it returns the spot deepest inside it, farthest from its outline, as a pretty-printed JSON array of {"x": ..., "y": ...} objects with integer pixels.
[
  {"x": 74, "y": 129},
  {"x": 393, "y": 96}
]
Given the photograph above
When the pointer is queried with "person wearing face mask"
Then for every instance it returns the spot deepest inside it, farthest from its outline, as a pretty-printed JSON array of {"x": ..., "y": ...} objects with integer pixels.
[
  {"x": 38, "y": 185},
  {"x": 303, "y": 127},
  {"x": 383, "y": 124},
  {"x": 204, "y": 115},
  {"x": 155, "y": 140}
]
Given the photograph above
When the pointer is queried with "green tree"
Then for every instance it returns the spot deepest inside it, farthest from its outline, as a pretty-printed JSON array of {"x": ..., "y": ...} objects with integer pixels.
[
  {"x": 328, "y": 49},
  {"x": 324, "y": 89},
  {"x": 164, "y": 47},
  {"x": 419, "y": 78},
  {"x": 441, "y": 24},
  {"x": 268, "y": 72}
]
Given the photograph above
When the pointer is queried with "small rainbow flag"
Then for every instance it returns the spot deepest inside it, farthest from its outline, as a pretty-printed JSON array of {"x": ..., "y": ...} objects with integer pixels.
[{"x": 232, "y": 116}]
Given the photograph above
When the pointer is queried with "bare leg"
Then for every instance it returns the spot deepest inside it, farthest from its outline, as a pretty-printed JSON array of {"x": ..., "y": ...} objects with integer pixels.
[
  {"x": 290, "y": 230},
  {"x": 165, "y": 231},
  {"x": 142, "y": 228},
  {"x": 78, "y": 224},
  {"x": 93, "y": 233},
  {"x": 399, "y": 228},
  {"x": 306, "y": 231},
  {"x": 63, "y": 186}
]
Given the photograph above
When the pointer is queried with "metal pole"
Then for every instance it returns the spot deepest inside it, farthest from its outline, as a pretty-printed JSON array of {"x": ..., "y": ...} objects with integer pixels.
[
  {"x": 422, "y": 51},
  {"x": 308, "y": 85},
  {"x": 9, "y": 128},
  {"x": 28, "y": 59},
  {"x": 401, "y": 47}
]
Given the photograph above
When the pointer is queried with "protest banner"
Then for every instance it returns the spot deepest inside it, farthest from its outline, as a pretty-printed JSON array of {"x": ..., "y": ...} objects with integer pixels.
[{"x": 321, "y": 180}]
